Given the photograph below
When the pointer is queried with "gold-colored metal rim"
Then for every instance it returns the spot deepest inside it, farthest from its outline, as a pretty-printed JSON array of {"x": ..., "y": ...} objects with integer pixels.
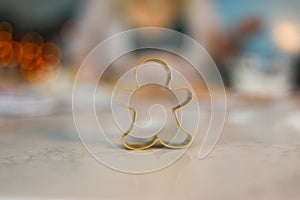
[
  {"x": 164, "y": 64},
  {"x": 156, "y": 139}
]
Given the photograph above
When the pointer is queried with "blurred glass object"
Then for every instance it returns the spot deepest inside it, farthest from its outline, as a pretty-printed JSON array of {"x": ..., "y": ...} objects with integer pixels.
[{"x": 262, "y": 76}]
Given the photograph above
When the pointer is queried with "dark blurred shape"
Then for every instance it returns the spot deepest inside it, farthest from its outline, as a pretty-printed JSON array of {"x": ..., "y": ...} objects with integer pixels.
[
  {"x": 226, "y": 46},
  {"x": 42, "y": 16},
  {"x": 6, "y": 27},
  {"x": 297, "y": 72}
]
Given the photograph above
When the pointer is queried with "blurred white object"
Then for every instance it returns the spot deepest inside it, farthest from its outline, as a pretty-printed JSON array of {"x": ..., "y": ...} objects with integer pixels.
[
  {"x": 262, "y": 76},
  {"x": 25, "y": 105}
]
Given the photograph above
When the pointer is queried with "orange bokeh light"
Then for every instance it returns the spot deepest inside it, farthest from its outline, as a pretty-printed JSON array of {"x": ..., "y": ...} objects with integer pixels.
[
  {"x": 6, "y": 27},
  {"x": 37, "y": 60}
]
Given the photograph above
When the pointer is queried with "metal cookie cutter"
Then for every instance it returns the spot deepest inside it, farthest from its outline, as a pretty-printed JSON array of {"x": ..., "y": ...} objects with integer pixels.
[{"x": 145, "y": 143}]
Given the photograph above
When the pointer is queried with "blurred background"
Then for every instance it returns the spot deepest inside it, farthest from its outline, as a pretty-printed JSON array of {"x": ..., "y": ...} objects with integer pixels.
[
  {"x": 255, "y": 44},
  {"x": 262, "y": 35}
]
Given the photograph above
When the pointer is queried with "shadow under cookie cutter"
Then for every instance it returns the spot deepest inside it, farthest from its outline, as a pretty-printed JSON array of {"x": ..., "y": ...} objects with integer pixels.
[{"x": 145, "y": 143}]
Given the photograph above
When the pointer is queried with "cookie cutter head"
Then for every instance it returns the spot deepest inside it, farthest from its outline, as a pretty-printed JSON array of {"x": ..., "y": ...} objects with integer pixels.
[{"x": 141, "y": 143}]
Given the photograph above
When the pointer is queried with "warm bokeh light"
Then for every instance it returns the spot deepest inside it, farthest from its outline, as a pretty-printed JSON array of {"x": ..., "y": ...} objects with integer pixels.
[
  {"x": 7, "y": 46},
  {"x": 11, "y": 55},
  {"x": 6, "y": 27},
  {"x": 152, "y": 13},
  {"x": 287, "y": 37},
  {"x": 38, "y": 60}
]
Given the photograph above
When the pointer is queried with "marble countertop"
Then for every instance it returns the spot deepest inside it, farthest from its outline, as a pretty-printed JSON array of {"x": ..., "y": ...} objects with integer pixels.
[{"x": 257, "y": 157}]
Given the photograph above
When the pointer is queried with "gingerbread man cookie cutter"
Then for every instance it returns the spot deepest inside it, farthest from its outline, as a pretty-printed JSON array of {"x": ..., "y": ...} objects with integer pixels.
[{"x": 145, "y": 143}]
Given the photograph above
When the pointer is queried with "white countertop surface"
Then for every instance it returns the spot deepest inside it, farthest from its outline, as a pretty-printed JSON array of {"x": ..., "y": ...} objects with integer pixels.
[{"x": 257, "y": 157}]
